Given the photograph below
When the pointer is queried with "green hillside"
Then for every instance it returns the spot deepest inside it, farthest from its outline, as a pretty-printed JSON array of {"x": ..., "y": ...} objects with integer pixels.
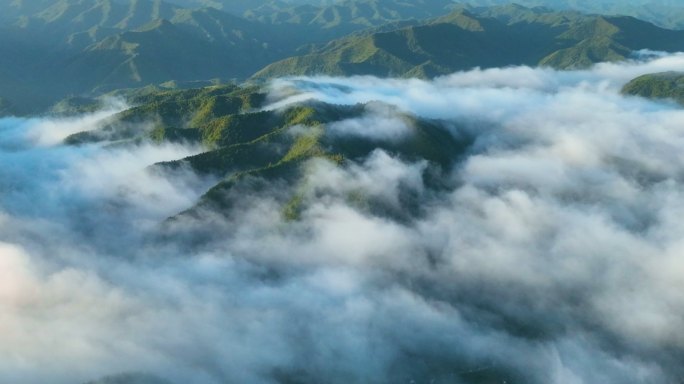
[
  {"x": 244, "y": 142},
  {"x": 347, "y": 16},
  {"x": 79, "y": 23},
  {"x": 53, "y": 49},
  {"x": 487, "y": 37},
  {"x": 665, "y": 13},
  {"x": 84, "y": 47},
  {"x": 56, "y": 49},
  {"x": 667, "y": 85},
  {"x": 236, "y": 7},
  {"x": 193, "y": 45}
]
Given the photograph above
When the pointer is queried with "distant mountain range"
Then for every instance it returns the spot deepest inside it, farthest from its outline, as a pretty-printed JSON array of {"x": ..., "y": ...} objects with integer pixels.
[
  {"x": 83, "y": 46},
  {"x": 665, "y": 13},
  {"x": 52, "y": 49},
  {"x": 484, "y": 37}
]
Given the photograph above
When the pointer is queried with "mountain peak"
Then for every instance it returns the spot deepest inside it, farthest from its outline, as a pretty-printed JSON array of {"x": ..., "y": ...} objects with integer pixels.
[{"x": 463, "y": 19}]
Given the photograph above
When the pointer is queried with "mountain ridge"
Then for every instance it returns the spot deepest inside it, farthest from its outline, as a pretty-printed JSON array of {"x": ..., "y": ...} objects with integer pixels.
[
  {"x": 79, "y": 48},
  {"x": 486, "y": 38}
]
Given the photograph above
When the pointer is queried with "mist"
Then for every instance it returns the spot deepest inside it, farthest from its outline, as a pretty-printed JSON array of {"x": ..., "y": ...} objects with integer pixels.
[{"x": 552, "y": 255}]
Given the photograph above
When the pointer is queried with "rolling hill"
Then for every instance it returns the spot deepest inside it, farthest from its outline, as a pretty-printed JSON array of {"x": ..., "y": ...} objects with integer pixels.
[
  {"x": 77, "y": 47},
  {"x": 244, "y": 141},
  {"x": 58, "y": 48},
  {"x": 665, "y": 13},
  {"x": 348, "y": 15},
  {"x": 485, "y": 37},
  {"x": 666, "y": 85}
]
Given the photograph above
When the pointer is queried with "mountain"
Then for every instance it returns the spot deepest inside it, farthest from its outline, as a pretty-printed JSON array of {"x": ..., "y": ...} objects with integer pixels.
[
  {"x": 666, "y": 85},
  {"x": 664, "y": 13},
  {"x": 485, "y": 37},
  {"x": 52, "y": 49},
  {"x": 236, "y": 7},
  {"x": 326, "y": 20},
  {"x": 244, "y": 141},
  {"x": 348, "y": 14},
  {"x": 191, "y": 114},
  {"x": 239, "y": 7},
  {"x": 80, "y": 47},
  {"x": 193, "y": 45},
  {"x": 78, "y": 23},
  {"x": 56, "y": 49},
  {"x": 14, "y": 9}
]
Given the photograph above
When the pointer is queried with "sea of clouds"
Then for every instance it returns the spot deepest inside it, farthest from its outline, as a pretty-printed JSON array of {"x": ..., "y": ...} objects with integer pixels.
[{"x": 556, "y": 255}]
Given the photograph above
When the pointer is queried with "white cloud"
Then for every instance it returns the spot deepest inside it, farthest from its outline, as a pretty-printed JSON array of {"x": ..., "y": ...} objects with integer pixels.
[
  {"x": 48, "y": 132},
  {"x": 380, "y": 123},
  {"x": 551, "y": 255}
]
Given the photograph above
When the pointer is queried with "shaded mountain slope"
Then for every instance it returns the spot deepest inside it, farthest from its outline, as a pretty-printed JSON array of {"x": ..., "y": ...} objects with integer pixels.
[
  {"x": 78, "y": 47},
  {"x": 58, "y": 48},
  {"x": 510, "y": 35},
  {"x": 347, "y": 16},
  {"x": 79, "y": 23},
  {"x": 193, "y": 45}
]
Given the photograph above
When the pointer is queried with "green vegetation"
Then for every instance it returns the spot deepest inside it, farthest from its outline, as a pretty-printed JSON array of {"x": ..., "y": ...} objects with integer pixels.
[
  {"x": 87, "y": 48},
  {"x": 306, "y": 145},
  {"x": 56, "y": 49},
  {"x": 174, "y": 66},
  {"x": 665, "y": 13},
  {"x": 482, "y": 37},
  {"x": 667, "y": 85},
  {"x": 208, "y": 114},
  {"x": 248, "y": 148},
  {"x": 52, "y": 49},
  {"x": 292, "y": 209},
  {"x": 346, "y": 16}
]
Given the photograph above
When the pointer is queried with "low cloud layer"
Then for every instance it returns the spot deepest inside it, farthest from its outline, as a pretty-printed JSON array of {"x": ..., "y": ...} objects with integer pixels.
[{"x": 553, "y": 255}]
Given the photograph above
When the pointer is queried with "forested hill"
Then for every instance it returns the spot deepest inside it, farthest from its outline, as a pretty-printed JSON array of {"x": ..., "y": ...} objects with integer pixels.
[
  {"x": 50, "y": 49},
  {"x": 53, "y": 49},
  {"x": 665, "y": 85},
  {"x": 483, "y": 37}
]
